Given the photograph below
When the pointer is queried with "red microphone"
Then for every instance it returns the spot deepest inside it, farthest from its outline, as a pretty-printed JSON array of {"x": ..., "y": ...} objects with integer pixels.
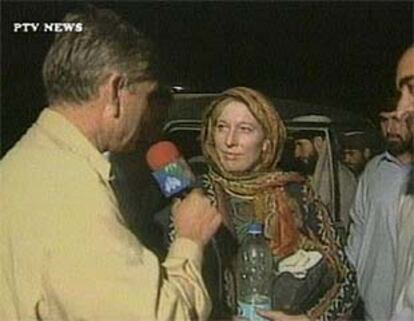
[{"x": 170, "y": 170}]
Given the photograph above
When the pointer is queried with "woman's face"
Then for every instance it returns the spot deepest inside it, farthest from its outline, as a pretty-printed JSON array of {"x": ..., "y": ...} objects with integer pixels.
[{"x": 238, "y": 137}]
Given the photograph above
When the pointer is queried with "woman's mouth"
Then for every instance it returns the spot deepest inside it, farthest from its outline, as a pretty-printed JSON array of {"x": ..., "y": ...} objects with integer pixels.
[{"x": 230, "y": 156}]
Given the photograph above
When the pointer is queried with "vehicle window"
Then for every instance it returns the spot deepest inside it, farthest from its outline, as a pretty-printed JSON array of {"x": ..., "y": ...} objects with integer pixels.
[{"x": 187, "y": 141}]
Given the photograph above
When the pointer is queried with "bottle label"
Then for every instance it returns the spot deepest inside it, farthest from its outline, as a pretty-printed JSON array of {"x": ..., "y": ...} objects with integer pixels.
[{"x": 247, "y": 310}]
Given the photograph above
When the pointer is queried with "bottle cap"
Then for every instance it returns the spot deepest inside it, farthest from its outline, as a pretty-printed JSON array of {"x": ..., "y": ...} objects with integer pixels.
[{"x": 255, "y": 228}]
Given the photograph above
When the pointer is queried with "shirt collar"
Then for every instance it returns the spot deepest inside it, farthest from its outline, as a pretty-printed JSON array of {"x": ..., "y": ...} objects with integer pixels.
[
  {"x": 69, "y": 137},
  {"x": 386, "y": 156}
]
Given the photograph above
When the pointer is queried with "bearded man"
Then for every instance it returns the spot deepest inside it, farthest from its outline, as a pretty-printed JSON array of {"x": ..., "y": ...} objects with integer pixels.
[
  {"x": 404, "y": 278},
  {"x": 372, "y": 245},
  {"x": 313, "y": 159}
]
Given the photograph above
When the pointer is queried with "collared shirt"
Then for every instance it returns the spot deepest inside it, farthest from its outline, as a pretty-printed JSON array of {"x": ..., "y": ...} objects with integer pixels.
[
  {"x": 372, "y": 244},
  {"x": 404, "y": 278},
  {"x": 65, "y": 251}
]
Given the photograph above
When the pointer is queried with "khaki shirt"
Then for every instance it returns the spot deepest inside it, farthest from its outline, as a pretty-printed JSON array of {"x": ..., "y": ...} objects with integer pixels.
[{"x": 65, "y": 251}]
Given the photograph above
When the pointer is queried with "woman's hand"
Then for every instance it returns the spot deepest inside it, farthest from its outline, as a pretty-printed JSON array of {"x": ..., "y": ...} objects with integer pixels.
[{"x": 280, "y": 316}]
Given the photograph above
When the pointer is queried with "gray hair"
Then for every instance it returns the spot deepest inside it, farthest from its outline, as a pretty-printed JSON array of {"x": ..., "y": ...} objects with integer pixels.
[{"x": 79, "y": 62}]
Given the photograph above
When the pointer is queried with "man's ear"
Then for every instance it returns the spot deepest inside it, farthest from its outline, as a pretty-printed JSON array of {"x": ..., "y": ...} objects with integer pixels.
[
  {"x": 319, "y": 143},
  {"x": 112, "y": 93},
  {"x": 367, "y": 153}
]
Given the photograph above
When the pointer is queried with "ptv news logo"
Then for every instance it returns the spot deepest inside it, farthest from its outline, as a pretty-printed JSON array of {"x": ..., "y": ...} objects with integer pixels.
[{"x": 25, "y": 27}]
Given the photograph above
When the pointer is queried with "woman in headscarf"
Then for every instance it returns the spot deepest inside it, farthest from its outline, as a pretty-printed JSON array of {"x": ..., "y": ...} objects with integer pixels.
[{"x": 242, "y": 141}]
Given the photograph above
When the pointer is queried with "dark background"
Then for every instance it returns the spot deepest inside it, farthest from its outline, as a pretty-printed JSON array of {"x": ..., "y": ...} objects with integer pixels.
[{"x": 342, "y": 54}]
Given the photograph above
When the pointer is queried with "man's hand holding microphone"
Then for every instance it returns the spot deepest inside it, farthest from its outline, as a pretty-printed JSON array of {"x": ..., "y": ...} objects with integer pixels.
[
  {"x": 195, "y": 218},
  {"x": 193, "y": 215}
]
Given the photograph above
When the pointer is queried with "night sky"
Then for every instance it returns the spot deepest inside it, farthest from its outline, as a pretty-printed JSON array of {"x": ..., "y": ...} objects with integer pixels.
[{"x": 341, "y": 54}]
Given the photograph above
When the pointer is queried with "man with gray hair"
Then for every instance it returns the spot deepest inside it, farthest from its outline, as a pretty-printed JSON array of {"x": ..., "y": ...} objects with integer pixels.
[{"x": 66, "y": 253}]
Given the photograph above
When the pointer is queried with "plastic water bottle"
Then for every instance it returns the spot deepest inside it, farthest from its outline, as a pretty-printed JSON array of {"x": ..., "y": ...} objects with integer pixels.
[{"x": 254, "y": 274}]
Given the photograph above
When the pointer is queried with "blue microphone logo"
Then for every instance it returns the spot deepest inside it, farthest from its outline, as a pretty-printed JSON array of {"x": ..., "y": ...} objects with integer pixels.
[{"x": 174, "y": 178}]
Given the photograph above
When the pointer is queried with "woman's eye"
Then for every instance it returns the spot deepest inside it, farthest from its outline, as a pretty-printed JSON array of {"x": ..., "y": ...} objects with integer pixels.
[{"x": 246, "y": 129}]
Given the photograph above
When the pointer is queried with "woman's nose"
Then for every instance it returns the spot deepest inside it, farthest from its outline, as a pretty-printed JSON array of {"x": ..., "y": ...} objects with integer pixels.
[{"x": 231, "y": 138}]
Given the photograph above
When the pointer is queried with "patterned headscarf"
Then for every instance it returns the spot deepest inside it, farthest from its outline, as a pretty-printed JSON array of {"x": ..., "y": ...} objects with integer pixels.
[
  {"x": 264, "y": 112},
  {"x": 263, "y": 185}
]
